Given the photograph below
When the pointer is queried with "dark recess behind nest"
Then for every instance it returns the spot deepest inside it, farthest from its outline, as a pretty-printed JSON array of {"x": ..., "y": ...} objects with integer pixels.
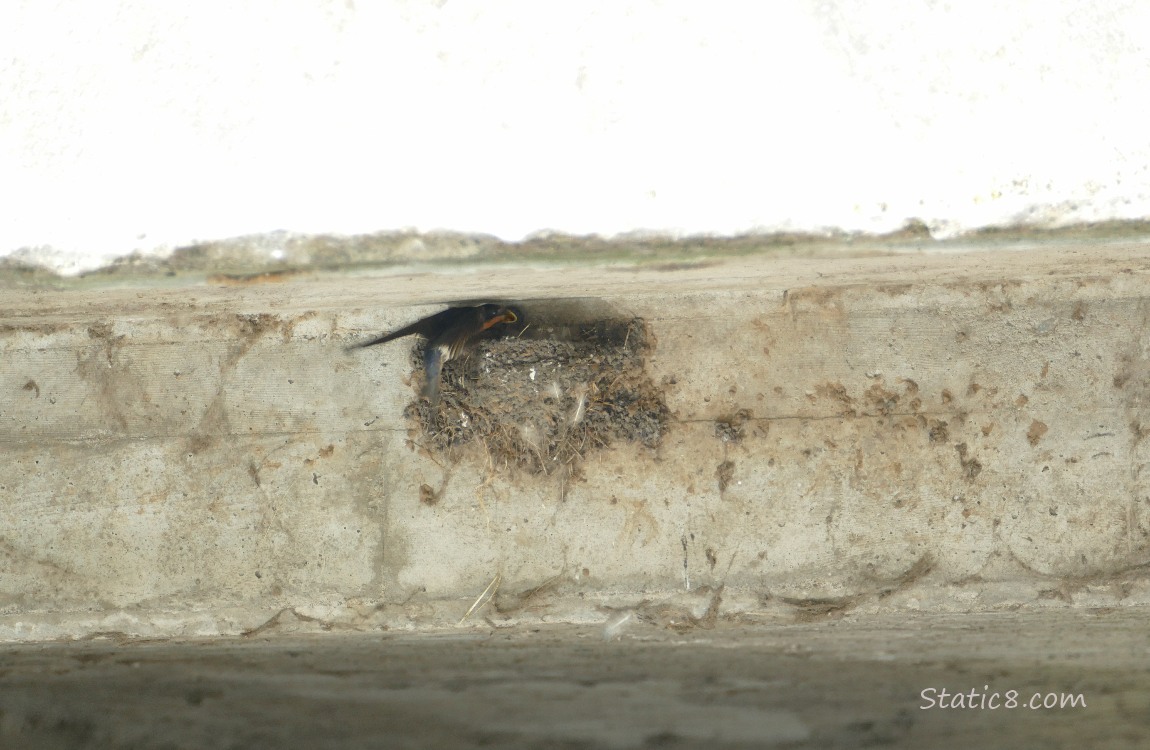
[{"x": 568, "y": 319}]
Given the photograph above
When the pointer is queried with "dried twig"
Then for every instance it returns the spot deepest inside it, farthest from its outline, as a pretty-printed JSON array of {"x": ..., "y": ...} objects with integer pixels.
[{"x": 484, "y": 597}]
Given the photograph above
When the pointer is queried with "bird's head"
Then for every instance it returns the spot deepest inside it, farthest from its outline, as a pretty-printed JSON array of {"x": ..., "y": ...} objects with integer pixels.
[{"x": 492, "y": 315}]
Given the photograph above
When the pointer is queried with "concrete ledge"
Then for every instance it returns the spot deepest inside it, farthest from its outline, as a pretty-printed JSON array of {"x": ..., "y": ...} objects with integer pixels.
[
  {"x": 930, "y": 433},
  {"x": 1066, "y": 678}
]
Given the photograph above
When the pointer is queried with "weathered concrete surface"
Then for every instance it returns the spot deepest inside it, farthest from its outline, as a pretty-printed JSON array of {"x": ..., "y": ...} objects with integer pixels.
[
  {"x": 847, "y": 683},
  {"x": 936, "y": 433}
]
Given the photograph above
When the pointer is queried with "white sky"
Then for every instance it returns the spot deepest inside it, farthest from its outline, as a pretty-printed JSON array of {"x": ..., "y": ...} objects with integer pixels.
[{"x": 131, "y": 125}]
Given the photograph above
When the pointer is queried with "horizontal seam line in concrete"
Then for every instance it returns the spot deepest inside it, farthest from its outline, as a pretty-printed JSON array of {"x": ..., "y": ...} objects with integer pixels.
[
  {"x": 822, "y": 418},
  {"x": 192, "y": 435},
  {"x": 286, "y": 433}
]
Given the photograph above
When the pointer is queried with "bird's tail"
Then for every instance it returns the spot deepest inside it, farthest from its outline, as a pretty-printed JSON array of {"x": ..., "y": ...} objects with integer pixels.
[
  {"x": 380, "y": 340},
  {"x": 416, "y": 327}
]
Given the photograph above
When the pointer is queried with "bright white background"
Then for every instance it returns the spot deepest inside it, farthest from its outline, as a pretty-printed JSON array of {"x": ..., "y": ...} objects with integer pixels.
[{"x": 130, "y": 125}]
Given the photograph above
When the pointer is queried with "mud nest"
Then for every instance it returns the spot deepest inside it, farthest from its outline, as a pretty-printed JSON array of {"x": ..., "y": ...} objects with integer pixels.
[{"x": 543, "y": 400}]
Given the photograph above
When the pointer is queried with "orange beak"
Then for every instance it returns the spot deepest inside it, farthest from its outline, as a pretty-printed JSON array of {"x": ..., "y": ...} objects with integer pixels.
[{"x": 504, "y": 317}]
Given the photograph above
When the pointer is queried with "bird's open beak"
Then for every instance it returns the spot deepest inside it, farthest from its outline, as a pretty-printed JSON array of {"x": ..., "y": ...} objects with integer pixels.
[{"x": 504, "y": 317}]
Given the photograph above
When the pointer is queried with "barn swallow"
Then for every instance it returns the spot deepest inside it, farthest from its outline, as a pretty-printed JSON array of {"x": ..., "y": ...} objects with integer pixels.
[{"x": 448, "y": 333}]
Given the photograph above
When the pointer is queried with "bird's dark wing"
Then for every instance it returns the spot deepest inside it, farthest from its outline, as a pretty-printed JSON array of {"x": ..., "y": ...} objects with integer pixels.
[
  {"x": 433, "y": 360},
  {"x": 427, "y": 327},
  {"x": 454, "y": 337}
]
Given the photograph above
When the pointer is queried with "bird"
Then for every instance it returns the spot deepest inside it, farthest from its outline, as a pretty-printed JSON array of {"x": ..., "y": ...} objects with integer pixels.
[{"x": 448, "y": 333}]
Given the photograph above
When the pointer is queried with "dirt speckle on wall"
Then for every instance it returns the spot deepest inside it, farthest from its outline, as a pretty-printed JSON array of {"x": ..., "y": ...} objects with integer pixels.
[{"x": 1036, "y": 431}]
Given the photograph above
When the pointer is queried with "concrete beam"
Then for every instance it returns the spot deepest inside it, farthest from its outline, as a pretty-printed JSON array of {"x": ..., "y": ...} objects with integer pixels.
[{"x": 915, "y": 432}]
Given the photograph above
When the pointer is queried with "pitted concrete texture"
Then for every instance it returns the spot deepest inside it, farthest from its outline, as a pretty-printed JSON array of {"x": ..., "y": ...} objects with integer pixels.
[
  {"x": 960, "y": 432},
  {"x": 1062, "y": 678}
]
